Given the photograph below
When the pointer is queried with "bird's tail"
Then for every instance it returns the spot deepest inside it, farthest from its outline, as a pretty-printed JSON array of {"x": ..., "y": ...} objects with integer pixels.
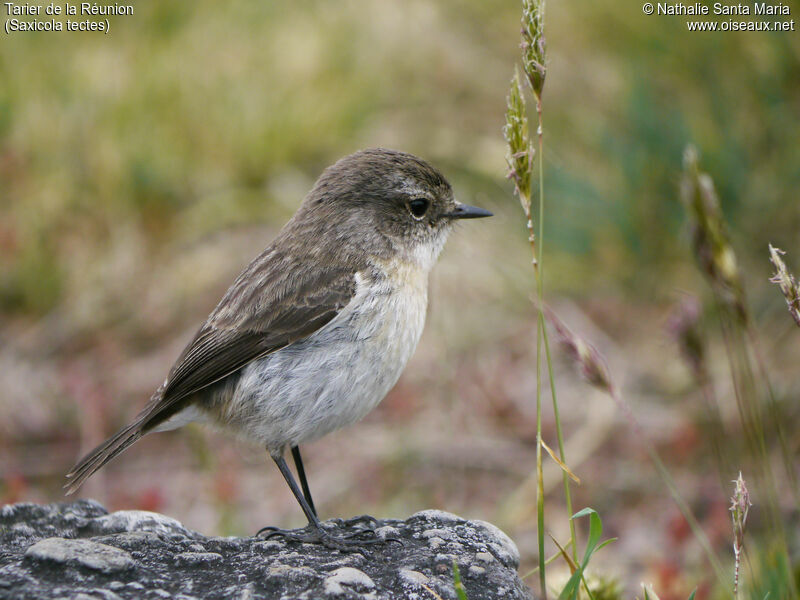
[{"x": 102, "y": 454}]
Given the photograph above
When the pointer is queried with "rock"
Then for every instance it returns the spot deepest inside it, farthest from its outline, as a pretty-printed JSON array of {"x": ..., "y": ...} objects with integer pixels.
[
  {"x": 79, "y": 550},
  {"x": 198, "y": 558},
  {"x": 346, "y": 579},
  {"x": 81, "y": 553}
]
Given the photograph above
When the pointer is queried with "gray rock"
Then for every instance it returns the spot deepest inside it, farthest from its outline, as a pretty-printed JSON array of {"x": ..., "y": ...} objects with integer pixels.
[
  {"x": 78, "y": 550},
  {"x": 499, "y": 542},
  {"x": 346, "y": 579},
  {"x": 81, "y": 553},
  {"x": 198, "y": 558},
  {"x": 138, "y": 520}
]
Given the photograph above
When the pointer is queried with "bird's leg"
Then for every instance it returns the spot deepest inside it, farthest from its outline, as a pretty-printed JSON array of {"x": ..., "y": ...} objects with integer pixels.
[
  {"x": 314, "y": 533},
  {"x": 301, "y": 473}
]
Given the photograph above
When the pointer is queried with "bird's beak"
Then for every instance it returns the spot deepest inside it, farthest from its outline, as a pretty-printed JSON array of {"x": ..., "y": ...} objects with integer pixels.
[{"x": 465, "y": 211}]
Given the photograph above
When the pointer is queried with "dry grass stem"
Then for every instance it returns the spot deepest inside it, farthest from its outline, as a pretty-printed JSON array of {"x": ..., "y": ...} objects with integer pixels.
[
  {"x": 549, "y": 560},
  {"x": 683, "y": 326},
  {"x": 562, "y": 551},
  {"x": 786, "y": 281},
  {"x": 561, "y": 463}
]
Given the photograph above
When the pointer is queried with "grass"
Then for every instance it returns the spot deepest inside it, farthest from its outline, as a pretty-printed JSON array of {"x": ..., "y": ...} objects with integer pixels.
[
  {"x": 784, "y": 279},
  {"x": 520, "y": 158},
  {"x": 717, "y": 262},
  {"x": 760, "y": 417}
]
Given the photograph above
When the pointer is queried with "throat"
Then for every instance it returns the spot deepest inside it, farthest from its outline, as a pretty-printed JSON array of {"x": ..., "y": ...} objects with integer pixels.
[{"x": 425, "y": 255}]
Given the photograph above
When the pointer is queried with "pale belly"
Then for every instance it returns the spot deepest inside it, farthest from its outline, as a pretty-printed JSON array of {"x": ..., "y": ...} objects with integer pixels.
[{"x": 332, "y": 378}]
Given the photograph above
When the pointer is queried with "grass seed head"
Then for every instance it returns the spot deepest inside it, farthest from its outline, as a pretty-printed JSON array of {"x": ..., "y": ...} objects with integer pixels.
[
  {"x": 740, "y": 506},
  {"x": 533, "y": 45},
  {"x": 786, "y": 281},
  {"x": 711, "y": 244},
  {"x": 589, "y": 361},
  {"x": 519, "y": 154}
]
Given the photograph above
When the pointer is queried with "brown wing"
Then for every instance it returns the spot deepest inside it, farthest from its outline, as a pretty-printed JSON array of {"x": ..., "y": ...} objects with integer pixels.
[
  {"x": 277, "y": 300},
  {"x": 251, "y": 322}
]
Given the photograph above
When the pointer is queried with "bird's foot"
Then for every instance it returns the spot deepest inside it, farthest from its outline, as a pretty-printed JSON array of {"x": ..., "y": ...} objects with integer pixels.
[
  {"x": 368, "y": 521},
  {"x": 312, "y": 534}
]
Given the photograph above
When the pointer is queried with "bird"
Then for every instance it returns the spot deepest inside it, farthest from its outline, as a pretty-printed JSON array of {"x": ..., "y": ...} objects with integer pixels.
[{"x": 317, "y": 329}]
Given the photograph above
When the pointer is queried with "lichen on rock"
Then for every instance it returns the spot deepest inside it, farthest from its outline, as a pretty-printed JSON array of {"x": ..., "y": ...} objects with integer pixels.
[{"x": 79, "y": 550}]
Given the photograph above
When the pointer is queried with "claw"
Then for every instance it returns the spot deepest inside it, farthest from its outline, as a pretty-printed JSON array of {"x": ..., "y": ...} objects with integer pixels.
[
  {"x": 396, "y": 540},
  {"x": 369, "y": 520},
  {"x": 351, "y": 541},
  {"x": 364, "y": 534}
]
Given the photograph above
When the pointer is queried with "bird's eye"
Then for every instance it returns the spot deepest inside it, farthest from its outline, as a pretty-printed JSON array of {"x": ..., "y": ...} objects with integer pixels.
[{"x": 418, "y": 207}]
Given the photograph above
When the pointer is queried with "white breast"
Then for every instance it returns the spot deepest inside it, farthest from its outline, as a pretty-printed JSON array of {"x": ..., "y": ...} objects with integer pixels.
[{"x": 337, "y": 375}]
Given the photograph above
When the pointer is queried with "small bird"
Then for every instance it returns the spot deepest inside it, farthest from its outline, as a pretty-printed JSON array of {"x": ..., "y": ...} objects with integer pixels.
[{"x": 316, "y": 330}]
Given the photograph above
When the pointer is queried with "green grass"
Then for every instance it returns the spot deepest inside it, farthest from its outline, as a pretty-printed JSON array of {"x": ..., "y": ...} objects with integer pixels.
[{"x": 758, "y": 410}]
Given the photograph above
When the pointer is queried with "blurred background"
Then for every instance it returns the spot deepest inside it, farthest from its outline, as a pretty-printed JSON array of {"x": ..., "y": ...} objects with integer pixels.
[{"x": 141, "y": 170}]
